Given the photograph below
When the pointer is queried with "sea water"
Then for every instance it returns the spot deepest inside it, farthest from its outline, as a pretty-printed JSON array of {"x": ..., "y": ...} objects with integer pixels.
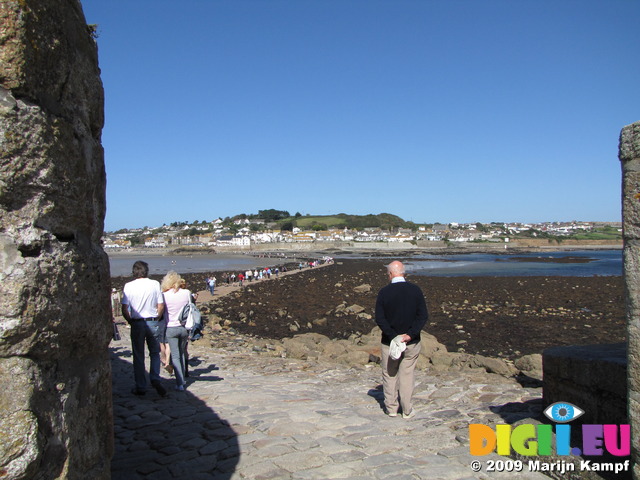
[
  {"x": 161, "y": 264},
  {"x": 600, "y": 262},
  {"x": 594, "y": 262}
]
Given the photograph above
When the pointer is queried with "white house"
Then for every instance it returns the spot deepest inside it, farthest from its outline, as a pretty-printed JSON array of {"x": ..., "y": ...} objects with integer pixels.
[
  {"x": 224, "y": 240},
  {"x": 241, "y": 241},
  {"x": 156, "y": 242},
  {"x": 400, "y": 238}
]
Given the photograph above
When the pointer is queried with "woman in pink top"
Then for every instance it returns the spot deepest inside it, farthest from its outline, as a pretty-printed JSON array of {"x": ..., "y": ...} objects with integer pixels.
[{"x": 175, "y": 298}]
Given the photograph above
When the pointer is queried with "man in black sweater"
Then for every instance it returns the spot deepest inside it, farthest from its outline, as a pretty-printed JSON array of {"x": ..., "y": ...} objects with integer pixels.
[{"x": 401, "y": 313}]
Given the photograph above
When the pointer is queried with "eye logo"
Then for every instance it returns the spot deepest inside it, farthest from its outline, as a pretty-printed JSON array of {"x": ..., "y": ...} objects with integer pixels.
[{"x": 562, "y": 412}]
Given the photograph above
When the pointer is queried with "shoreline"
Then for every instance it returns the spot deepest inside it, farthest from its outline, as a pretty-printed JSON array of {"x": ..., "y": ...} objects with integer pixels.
[
  {"x": 206, "y": 261},
  {"x": 503, "y": 317},
  {"x": 285, "y": 251}
]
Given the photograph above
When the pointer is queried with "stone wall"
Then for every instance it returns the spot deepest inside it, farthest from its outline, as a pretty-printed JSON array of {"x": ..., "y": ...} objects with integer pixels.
[
  {"x": 594, "y": 377},
  {"x": 629, "y": 154},
  {"x": 55, "y": 320}
]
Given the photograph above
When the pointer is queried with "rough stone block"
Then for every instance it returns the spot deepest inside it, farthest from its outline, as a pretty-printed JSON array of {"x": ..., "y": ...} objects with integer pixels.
[
  {"x": 631, "y": 199},
  {"x": 54, "y": 276},
  {"x": 629, "y": 155},
  {"x": 593, "y": 377},
  {"x": 629, "y": 145}
]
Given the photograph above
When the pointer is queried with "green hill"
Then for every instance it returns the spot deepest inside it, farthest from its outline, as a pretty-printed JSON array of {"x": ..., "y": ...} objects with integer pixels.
[{"x": 342, "y": 220}]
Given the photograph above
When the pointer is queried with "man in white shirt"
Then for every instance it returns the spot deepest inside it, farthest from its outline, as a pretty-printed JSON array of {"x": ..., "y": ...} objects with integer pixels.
[{"x": 143, "y": 308}]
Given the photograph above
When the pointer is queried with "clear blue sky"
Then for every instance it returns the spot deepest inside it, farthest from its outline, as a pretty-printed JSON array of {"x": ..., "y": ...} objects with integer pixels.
[{"x": 433, "y": 110}]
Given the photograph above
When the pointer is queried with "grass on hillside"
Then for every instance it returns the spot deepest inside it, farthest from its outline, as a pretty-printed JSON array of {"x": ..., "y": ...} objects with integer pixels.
[
  {"x": 329, "y": 221},
  {"x": 598, "y": 236},
  {"x": 341, "y": 220}
]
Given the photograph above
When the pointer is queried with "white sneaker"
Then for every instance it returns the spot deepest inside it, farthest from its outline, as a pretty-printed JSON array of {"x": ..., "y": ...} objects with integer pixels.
[
  {"x": 392, "y": 414},
  {"x": 411, "y": 414}
]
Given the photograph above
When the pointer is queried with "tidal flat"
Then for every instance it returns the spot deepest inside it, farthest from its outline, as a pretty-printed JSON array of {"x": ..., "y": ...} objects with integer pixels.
[{"x": 504, "y": 317}]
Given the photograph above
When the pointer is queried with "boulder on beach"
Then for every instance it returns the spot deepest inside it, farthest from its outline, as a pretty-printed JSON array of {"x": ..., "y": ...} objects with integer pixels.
[
  {"x": 364, "y": 288},
  {"x": 530, "y": 365}
]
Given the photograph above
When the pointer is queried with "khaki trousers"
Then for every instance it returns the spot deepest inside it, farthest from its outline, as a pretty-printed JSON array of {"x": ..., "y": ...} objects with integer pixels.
[{"x": 398, "y": 378}]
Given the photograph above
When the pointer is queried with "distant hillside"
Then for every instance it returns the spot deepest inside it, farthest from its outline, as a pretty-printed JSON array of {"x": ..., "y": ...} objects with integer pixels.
[{"x": 320, "y": 222}]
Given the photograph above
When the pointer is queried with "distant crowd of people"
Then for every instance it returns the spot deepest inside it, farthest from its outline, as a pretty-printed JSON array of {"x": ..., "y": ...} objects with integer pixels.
[
  {"x": 251, "y": 275},
  {"x": 316, "y": 263},
  {"x": 258, "y": 274}
]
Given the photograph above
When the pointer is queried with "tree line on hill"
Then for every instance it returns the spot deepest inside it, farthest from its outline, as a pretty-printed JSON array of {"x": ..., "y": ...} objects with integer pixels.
[
  {"x": 287, "y": 222},
  {"x": 283, "y": 220}
]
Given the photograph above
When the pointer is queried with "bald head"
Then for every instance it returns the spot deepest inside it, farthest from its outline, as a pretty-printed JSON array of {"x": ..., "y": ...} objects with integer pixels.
[{"x": 395, "y": 269}]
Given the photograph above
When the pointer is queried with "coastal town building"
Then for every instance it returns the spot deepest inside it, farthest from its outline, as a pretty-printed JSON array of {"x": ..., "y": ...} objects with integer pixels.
[
  {"x": 247, "y": 232},
  {"x": 156, "y": 242},
  {"x": 115, "y": 243}
]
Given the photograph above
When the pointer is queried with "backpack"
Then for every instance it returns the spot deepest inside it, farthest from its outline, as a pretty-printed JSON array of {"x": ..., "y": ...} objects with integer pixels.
[{"x": 190, "y": 316}]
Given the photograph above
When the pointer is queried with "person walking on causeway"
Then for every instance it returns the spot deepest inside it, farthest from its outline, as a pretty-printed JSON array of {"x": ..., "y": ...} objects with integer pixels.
[
  {"x": 143, "y": 309},
  {"x": 175, "y": 298}
]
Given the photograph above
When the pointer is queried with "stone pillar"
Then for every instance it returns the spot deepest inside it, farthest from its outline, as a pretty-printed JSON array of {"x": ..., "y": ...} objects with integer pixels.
[
  {"x": 629, "y": 154},
  {"x": 55, "y": 320}
]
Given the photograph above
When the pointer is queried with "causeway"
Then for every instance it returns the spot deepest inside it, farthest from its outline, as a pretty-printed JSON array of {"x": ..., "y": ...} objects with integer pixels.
[{"x": 249, "y": 416}]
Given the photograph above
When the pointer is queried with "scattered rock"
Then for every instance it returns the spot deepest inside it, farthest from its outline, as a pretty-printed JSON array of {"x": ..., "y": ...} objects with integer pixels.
[
  {"x": 514, "y": 327},
  {"x": 364, "y": 288},
  {"x": 493, "y": 365},
  {"x": 355, "y": 309},
  {"x": 530, "y": 365},
  {"x": 334, "y": 349}
]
